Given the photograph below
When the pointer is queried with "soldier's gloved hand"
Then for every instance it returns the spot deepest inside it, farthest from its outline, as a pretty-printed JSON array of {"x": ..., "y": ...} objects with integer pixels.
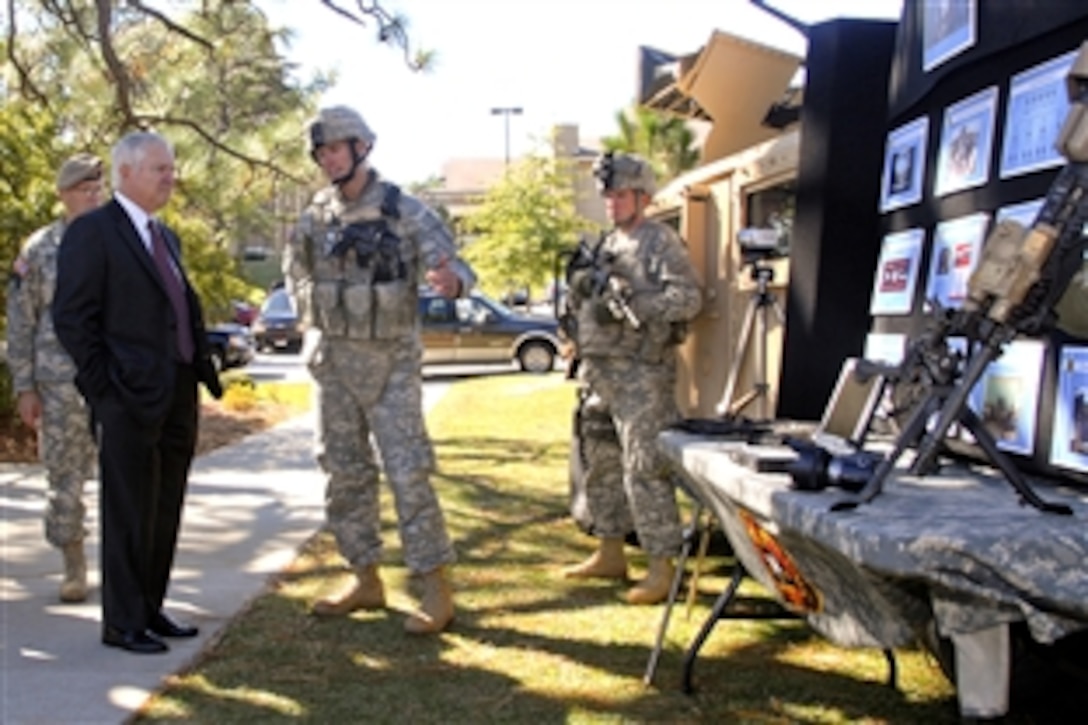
[{"x": 620, "y": 287}]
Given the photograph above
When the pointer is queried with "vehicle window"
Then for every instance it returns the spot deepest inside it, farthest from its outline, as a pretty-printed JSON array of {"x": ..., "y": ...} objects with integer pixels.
[
  {"x": 437, "y": 309},
  {"x": 279, "y": 303},
  {"x": 467, "y": 310}
]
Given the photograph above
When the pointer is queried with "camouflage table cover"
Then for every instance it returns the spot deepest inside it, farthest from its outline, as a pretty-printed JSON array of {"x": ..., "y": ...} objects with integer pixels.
[{"x": 956, "y": 548}]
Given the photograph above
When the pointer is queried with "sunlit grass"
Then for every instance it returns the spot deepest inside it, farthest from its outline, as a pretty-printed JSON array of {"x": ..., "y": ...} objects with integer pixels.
[{"x": 527, "y": 645}]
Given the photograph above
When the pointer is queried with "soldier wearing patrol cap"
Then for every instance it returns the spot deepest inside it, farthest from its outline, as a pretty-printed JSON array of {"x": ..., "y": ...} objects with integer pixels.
[
  {"x": 630, "y": 311},
  {"x": 354, "y": 266},
  {"x": 42, "y": 374}
]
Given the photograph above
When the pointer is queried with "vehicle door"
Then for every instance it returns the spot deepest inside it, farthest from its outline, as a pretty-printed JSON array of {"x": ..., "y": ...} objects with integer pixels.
[
  {"x": 484, "y": 337},
  {"x": 439, "y": 329}
]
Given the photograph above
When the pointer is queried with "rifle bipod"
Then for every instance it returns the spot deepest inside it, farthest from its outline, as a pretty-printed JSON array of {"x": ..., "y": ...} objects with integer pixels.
[{"x": 950, "y": 401}]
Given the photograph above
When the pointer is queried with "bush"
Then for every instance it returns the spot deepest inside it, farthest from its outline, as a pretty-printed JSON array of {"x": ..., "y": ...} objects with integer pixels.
[
  {"x": 239, "y": 398},
  {"x": 7, "y": 395},
  {"x": 236, "y": 379},
  {"x": 239, "y": 391}
]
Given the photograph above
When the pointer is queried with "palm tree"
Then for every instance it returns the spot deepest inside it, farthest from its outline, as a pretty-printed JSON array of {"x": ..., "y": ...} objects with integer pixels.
[{"x": 665, "y": 140}]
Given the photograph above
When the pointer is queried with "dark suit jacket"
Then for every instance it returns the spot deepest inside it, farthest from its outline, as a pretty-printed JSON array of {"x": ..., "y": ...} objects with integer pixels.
[{"x": 114, "y": 318}]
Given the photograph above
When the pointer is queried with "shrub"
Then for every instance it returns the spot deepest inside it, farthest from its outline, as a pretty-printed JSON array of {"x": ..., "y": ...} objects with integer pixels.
[
  {"x": 7, "y": 395},
  {"x": 240, "y": 398}
]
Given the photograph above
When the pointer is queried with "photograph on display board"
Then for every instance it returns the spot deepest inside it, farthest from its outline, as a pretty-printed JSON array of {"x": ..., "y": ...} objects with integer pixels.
[
  {"x": 1023, "y": 213},
  {"x": 897, "y": 273},
  {"x": 1069, "y": 439},
  {"x": 1006, "y": 397},
  {"x": 885, "y": 347},
  {"x": 904, "y": 165},
  {"x": 957, "y": 244},
  {"x": 1038, "y": 104},
  {"x": 967, "y": 137},
  {"x": 948, "y": 28}
]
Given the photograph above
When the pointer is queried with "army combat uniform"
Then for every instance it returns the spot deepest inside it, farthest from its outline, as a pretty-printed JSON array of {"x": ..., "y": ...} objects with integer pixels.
[
  {"x": 631, "y": 373},
  {"x": 354, "y": 268},
  {"x": 38, "y": 363}
]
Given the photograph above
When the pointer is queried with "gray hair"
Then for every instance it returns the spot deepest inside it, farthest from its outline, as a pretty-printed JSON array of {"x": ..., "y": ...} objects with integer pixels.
[{"x": 130, "y": 151}]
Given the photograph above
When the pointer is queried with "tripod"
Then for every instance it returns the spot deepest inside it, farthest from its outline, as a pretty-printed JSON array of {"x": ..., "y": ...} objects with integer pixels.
[{"x": 760, "y": 304}]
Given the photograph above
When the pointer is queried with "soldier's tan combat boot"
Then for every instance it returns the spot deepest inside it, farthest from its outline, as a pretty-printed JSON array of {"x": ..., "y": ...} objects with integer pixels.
[
  {"x": 655, "y": 587},
  {"x": 74, "y": 586},
  {"x": 366, "y": 591},
  {"x": 607, "y": 562},
  {"x": 435, "y": 606}
]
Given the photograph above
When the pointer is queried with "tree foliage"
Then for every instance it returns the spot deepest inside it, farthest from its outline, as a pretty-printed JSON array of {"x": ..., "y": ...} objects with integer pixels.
[
  {"x": 210, "y": 75},
  {"x": 525, "y": 221},
  {"x": 665, "y": 141},
  {"x": 27, "y": 172}
]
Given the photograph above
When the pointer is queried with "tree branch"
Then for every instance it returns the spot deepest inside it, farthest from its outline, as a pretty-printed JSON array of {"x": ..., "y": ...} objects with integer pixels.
[
  {"x": 144, "y": 121},
  {"x": 26, "y": 85},
  {"x": 391, "y": 29},
  {"x": 117, "y": 71},
  {"x": 170, "y": 24}
]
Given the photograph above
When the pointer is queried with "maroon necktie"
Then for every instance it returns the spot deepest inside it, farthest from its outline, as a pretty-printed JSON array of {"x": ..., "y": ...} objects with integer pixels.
[{"x": 174, "y": 290}]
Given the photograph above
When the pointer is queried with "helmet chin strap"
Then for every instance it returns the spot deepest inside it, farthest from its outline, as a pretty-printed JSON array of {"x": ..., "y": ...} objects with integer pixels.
[{"x": 357, "y": 160}]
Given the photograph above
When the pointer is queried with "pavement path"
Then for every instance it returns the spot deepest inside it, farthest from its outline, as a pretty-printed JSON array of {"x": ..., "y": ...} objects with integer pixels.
[{"x": 249, "y": 508}]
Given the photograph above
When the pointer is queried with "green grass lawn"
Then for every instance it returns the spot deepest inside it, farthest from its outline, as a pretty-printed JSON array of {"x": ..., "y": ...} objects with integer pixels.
[{"x": 527, "y": 645}]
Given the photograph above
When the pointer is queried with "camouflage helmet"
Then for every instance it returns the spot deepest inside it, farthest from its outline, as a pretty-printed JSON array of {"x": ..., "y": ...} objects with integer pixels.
[
  {"x": 338, "y": 123},
  {"x": 616, "y": 171}
]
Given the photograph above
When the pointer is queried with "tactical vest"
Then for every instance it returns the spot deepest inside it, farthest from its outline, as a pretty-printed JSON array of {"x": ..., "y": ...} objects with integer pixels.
[{"x": 364, "y": 284}]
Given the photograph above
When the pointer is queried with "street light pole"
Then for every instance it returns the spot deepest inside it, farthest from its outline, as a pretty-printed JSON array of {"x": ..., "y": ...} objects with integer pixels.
[{"x": 506, "y": 112}]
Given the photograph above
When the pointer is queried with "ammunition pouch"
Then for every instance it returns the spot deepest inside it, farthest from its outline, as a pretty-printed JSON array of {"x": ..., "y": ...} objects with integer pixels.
[
  {"x": 329, "y": 314},
  {"x": 395, "y": 310},
  {"x": 362, "y": 311},
  {"x": 593, "y": 422},
  {"x": 359, "y": 309}
]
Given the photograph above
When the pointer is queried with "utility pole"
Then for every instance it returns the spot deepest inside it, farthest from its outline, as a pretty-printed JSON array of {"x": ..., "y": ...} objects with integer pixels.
[{"x": 506, "y": 112}]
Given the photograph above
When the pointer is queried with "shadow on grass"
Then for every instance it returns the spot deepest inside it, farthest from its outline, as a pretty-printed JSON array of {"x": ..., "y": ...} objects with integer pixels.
[
  {"x": 363, "y": 668},
  {"x": 527, "y": 645}
]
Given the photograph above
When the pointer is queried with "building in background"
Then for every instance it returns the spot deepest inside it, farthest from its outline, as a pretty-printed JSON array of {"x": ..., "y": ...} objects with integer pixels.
[{"x": 464, "y": 182}]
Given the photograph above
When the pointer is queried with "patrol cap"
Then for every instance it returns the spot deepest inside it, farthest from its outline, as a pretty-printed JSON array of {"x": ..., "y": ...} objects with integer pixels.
[
  {"x": 79, "y": 168},
  {"x": 337, "y": 123},
  {"x": 616, "y": 171}
]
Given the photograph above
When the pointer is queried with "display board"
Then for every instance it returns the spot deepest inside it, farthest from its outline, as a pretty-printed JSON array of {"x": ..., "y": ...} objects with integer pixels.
[{"x": 977, "y": 98}]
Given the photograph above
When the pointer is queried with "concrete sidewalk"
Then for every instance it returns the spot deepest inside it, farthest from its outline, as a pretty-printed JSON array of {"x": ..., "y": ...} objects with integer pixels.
[{"x": 250, "y": 506}]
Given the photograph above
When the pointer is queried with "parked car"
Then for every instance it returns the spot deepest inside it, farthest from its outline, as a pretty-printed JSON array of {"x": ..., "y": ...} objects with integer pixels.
[
  {"x": 231, "y": 345},
  {"x": 477, "y": 329},
  {"x": 244, "y": 312},
  {"x": 277, "y": 326}
]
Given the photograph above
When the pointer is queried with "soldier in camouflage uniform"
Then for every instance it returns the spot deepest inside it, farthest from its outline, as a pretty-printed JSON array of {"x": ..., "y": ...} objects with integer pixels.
[
  {"x": 630, "y": 308},
  {"x": 354, "y": 267},
  {"x": 42, "y": 374}
]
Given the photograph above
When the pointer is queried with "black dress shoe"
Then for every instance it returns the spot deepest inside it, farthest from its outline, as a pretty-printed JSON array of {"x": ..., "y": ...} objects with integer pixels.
[
  {"x": 164, "y": 626},
  {"x": 140, "y": 642}
]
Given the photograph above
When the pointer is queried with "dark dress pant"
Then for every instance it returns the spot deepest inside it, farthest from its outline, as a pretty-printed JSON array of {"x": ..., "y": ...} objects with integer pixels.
[{"x": 145, "y": 471}]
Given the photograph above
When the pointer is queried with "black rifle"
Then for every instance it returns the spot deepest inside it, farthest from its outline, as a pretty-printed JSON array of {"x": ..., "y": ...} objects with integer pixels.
[{"x": 591, "y": 269}]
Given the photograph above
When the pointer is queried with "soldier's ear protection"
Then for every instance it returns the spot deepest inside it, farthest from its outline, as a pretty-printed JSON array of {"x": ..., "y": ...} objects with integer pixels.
[{"x": 317, "y": 139}]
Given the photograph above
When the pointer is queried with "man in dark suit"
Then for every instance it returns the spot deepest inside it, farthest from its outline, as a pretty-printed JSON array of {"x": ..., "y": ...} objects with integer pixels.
[{"x": 125, "y": 312}]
